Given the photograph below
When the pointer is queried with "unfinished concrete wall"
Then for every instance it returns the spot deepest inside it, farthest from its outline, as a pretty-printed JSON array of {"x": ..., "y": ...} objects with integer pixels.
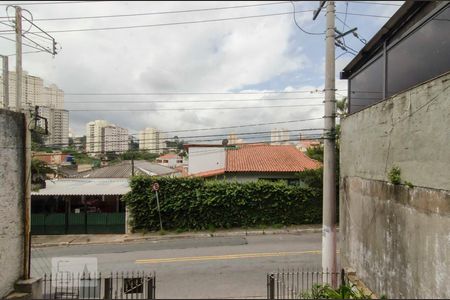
[
  {"x": 11, "y": 198},
  {"x": 398, "y": 238}
]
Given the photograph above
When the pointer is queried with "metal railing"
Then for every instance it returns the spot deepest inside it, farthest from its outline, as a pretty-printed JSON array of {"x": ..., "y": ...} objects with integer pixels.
[
  {"x": 293, "y": 284},
  {"x": 119, "y": 285}
]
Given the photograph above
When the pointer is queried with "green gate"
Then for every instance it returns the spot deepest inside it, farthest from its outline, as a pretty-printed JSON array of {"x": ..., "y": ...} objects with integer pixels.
[{"x": 81, "y": 223}]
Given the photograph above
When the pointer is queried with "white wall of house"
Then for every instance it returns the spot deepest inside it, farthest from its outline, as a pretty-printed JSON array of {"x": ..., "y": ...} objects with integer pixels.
[
  {"x": 203, "y": 159},
  {"x": 170, "y": 162}
]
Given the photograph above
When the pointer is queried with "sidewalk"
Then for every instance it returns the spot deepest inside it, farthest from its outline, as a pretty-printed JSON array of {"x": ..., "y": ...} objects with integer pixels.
[{"x": 39, "y": 241}]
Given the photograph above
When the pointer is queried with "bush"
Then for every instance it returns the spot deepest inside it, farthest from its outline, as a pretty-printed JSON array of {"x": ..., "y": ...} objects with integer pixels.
[
  {"x": 395, "y": 175},
  {"x": 346, "y": 291},
  {"x": 196, "y": 204}
]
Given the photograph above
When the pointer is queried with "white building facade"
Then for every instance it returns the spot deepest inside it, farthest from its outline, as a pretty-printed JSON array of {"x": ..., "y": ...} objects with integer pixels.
[
  {"x": 50, "y": 100},
  {"x": 103, "y": 137},
  {"x": 57, "y": 125},
  {"x": 114, "y": 139},
  {"x": 152, "y": 140},
  {"x": 33, "y": 92},
  {"x": 279, "y": 137}
]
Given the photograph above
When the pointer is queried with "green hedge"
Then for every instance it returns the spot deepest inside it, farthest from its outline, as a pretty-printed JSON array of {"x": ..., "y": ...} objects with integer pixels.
[{"x": 193, "y": 203}]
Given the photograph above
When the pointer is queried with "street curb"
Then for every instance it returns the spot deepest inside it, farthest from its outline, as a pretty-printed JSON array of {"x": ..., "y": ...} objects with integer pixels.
[{"x": 185, "y": 236}]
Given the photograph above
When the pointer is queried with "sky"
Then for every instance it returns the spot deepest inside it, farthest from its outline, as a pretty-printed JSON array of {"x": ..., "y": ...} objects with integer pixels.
[{"x": 248, "y": 56}]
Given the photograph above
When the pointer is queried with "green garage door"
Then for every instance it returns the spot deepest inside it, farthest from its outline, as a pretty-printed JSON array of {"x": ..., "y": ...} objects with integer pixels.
[{"x": 61, "y": 223}]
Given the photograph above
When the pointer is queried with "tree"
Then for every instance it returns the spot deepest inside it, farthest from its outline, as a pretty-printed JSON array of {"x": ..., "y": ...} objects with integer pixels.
[
  {"x": 342, "y": 107},
  {"x": 39, "y": 171},
  {"x": 315, "y": 153}
]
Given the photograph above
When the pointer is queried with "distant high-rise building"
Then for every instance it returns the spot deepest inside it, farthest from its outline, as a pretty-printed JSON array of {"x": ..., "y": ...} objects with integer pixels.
[
  {"x": 33, "y": 92},
  {"x": 53, "y": 97},
  {"x": 103, "y": 137},
  {"x": 114, "y": 139},
  {"x": 57, "y": 125},
  {"x": 152, "y": 140},
  {"x": 233, "y": 139},
  {"x": 51, "y": 106},
  {"x": 94, "y": 136},
  {"x": 279, "y": 137}
]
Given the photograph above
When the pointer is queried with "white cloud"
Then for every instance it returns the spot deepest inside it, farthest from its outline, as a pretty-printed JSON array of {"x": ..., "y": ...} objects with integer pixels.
[{"x": 217, "y": 57}]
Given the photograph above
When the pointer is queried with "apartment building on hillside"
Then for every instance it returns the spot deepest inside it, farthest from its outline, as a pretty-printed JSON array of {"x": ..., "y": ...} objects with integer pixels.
[
  {"x": 103, "y": 137},
  {"x": 152, "y": 140}
]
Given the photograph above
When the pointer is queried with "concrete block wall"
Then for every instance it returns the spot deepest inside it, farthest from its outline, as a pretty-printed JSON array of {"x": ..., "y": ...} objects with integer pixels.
[
  {"x": 11, "y": 198},
  {"x": 397, "y": 238}
]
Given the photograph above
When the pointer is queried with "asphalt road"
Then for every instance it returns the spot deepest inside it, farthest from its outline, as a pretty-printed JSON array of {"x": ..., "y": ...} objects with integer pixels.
[{"x": 215, "y": 267}]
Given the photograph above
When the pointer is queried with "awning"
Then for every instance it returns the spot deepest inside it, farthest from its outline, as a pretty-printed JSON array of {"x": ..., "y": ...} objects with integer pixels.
[{"x": 84, "y": 186}]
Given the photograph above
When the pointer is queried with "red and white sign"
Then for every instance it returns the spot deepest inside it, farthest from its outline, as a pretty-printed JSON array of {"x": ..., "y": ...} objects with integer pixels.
[{"x": 155, "y": 187}]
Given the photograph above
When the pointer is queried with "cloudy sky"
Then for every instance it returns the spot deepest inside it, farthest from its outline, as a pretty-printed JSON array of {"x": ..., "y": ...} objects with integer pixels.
[{"x": 250, "y": 55}]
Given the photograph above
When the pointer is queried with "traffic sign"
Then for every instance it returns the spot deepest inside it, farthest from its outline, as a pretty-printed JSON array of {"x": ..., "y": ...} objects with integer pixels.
[{"x": 155, "y": 187}]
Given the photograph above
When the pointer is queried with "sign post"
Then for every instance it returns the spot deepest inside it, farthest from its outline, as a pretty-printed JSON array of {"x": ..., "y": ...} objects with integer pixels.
[{"x": 155, "y": 188}]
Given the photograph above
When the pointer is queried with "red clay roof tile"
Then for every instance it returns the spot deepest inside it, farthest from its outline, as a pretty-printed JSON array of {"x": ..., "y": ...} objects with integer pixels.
[{"x": 268, "y": 158}]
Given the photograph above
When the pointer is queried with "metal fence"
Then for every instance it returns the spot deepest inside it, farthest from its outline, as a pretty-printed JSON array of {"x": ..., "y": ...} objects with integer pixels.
[
  {"x": 123, "y": 285},
  {"x": 292, "y": 284}
]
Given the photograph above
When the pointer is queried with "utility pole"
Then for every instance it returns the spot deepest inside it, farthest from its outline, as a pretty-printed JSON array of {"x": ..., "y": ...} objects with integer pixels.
[
  {"x": 329, "y": 160},
  {"x": 132, "y": 164},
  {"x": 5, "y": 82},
  {"x": 27, "y": 150},
  {"x": 18, "y": 28}
]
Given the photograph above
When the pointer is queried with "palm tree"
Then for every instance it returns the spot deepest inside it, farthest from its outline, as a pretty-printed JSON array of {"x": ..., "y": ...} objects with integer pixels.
[{"x": 342, "y": 107}]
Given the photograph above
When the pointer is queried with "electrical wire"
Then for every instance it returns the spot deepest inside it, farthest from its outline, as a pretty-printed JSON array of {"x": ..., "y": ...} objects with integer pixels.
[
  {"x": 294, "y": 12},
  {"x": 376, "y": 3},
  {"x": 191, "y": 93},
  {"x": 221, "y": 135},
  {"x": 209, "y": 21},
  {"x": 170, "y": 23},
  {"x": 46, "y": 3},
  {"x": 364, "y": 15},
  {"x": 357, "y": 35},
  {"x": 199, "y": 142},
  {"x": 194, "y": 101},
  {"x": 196, "y": 109},
  {"x": 24, "y": 44},
  {"x": 160, "y": 12}
]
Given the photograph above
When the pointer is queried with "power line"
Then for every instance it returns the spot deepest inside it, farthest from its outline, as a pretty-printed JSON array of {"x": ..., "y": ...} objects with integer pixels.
[
  {"x": 68, "y": 151},
  {"x": 172, "y": 23},
  {"x": 203, "y": 136},
  {"x": 197, "y": 109},
  {"x": 46, "y": 3},
  {"x": 191, "y": 93},
  {"x": 304, "y": 137},
  {"x": 364, "y": 15},
  {"x": 376, "y": 3},
  {"x": 242, "y": 126},
  {"x": 194, "y": 101},
  {"x": 25, "y": 44},
  {"x": 161, "y": 12},
  {"x": 238, "y": 126},
  {"x": 355, "y": 34},
  {"x": 303, "y": 30}
]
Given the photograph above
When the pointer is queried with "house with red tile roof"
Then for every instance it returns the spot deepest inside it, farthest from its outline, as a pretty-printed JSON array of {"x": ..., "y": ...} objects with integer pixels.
[
  {"x": 170, "y": 160},
  {"x": 248, "y": 162}
]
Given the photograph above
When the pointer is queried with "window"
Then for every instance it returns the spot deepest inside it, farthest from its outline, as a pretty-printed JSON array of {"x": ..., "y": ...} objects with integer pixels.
[
  {"x": 367, "y": 86},
  {"x": 422, "y": 55}
]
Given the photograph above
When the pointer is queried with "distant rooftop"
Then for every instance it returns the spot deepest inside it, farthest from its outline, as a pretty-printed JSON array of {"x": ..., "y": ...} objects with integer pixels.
[
  {"x": 83, "y": 186},
  {"x": 124, "y": 170},
  {"x": 264, "y": 158}
]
